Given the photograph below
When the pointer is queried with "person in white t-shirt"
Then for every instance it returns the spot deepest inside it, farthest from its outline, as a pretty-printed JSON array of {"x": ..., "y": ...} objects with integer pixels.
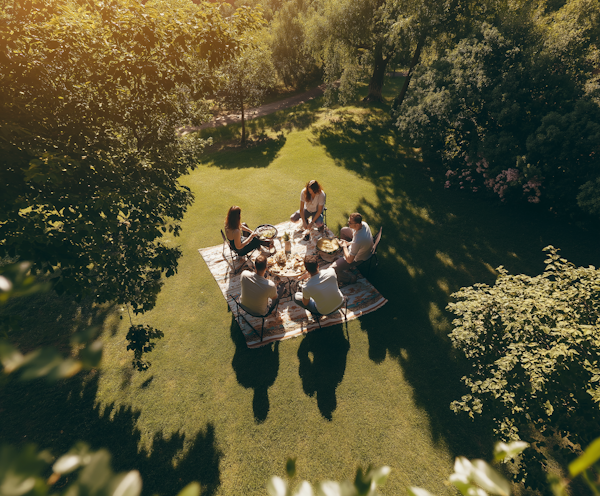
[
  {"x": 257, "y": 290},
  {"x": 320, "y": 293},
  {"x": 312, "y": 202},
  {"x": 356, "y": 241}
]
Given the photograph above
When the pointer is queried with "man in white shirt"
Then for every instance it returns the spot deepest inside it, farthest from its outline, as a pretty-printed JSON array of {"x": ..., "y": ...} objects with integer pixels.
[
  {"x": 356, "y": 242},
  {"x": 320, "y": 293},
  {"x": 257, "y": 290}
]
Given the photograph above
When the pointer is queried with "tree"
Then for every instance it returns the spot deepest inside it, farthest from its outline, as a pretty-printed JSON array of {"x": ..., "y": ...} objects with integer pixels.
[
  {"x": 533, "y": 344},
  {"x": 91, "y": 95},
  {"x": 287, "y": 39},
  {"x": 506, "y": 114},
  {"x": 345, "y": 35},
  {"x": 247, "y": 78},
  {"x": 348, "y": 37}
]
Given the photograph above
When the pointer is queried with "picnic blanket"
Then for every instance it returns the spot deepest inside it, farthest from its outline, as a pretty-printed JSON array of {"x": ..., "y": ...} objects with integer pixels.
[{"x": 290, "y": 320}]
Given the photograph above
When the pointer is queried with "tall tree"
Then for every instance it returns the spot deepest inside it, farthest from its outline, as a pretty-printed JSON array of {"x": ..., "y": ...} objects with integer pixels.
[
  {"x": 91, "y": 95},
  {"x": 349, "y": 37},
  {"x": 287, "y": 39},
  {"x": 247, "y": 78}
]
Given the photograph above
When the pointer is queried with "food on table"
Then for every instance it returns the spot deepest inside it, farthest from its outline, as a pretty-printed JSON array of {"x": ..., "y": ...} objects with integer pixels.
[
  {"x": 266, "y": 232},
  {"x": 328, "y": 245},
  {"x": 280, "y": 258},
  {"x": 278, "y": 264}
]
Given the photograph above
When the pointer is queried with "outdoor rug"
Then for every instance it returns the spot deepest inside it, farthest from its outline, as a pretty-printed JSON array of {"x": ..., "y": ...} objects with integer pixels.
[{"x": 290, "y": 320}]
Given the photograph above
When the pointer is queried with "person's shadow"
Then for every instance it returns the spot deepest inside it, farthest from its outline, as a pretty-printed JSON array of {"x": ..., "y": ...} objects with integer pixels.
[
  {"x": 255, "y": 369},
  {"x": 322, "y": 355}
]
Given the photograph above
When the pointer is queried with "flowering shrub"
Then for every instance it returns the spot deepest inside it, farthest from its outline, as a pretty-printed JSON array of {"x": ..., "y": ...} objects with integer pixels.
[{"x": 507, "y": 116}]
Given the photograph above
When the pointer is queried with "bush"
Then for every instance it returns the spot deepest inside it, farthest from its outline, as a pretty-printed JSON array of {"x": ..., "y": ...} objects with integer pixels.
[{"x": 533, "y": 345}]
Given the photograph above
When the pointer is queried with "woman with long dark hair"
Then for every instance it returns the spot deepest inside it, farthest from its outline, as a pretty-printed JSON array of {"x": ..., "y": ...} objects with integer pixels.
[
  {"x": 242, "y": 245},
  {"x": 312, "y": 202}
]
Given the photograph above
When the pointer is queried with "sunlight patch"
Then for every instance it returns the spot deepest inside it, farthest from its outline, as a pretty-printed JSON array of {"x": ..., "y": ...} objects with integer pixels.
[
  {"x": 438, "y": 321},
  {"x": 445, "y": 259}
]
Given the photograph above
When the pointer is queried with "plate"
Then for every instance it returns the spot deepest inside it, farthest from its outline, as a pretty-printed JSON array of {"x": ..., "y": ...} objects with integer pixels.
[
  {"x": 328, "y": 245},
  {"x": 266, "y": 231}
]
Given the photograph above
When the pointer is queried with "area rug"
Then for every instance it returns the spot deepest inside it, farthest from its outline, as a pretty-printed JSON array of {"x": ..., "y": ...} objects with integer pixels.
[{"x": 290, "y": 320}]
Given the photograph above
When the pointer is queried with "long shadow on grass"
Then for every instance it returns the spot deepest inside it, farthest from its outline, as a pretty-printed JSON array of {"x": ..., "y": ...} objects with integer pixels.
[
  {"x": 322, "y": 356},
  {"x": 255, "y": 369},
  {"x": 434, "y": 242},
  {"x": 295, "y": 118},
  {"x": 257, "y": 156},
  {"x": 55, "y": 416}
]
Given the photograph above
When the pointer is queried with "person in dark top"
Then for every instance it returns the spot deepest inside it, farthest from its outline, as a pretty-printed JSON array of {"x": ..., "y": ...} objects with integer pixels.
[{"x": 234, "y": 228}]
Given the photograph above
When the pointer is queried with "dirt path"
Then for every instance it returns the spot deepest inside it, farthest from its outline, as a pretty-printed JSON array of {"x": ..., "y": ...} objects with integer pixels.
[{"x": 262, "y": 110}]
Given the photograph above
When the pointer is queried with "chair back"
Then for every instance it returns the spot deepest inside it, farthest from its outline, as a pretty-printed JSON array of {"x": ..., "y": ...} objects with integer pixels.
[
  {"x": 238, "y": 300},
  {"x": 376, "y": 241},
  {"x": 224, "y": 237}
]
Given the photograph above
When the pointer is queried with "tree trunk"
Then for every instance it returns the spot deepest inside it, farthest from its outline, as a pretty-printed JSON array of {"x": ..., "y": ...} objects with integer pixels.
[
  {"x": 243, "y": 126},
  {"x": 379, "y": 66},
  {"x": 415, "y": 60}
]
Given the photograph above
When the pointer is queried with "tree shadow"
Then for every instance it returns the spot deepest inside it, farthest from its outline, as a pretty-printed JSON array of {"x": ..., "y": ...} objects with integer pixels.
[
  {"x": 254, "y": 156},
  {"x": 255, "y": 369},
  {"x": 322, "y": 356},
  {"x": 296, "y": 118},
  {"x": 47, "y": 319},
  {"x": 56, "y": 416},
  {"x": 434, "y": 242}
]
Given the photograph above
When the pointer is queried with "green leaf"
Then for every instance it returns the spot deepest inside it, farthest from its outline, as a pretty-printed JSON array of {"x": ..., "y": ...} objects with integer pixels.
[
  {"x": 503, "y": 451},
  {"x": 130, "y": 485},
  {"x": 303, "y": 489},
  {"x": 290, "y": 467},
  {"x": 590, "y": 456},
  {"x": 329, "y": 488},
  {"x": 489, "y": 479},
  {"x": 277, "y": 487},
  {"x": 67, "y": 463},
  {"x": 192, "y": 489},
  {"x": 418, "y": 491}
]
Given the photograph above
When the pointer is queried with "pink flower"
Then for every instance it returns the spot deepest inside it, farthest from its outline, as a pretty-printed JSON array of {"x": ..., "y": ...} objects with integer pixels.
[
  {"x": 512, "y": 175},
  {"x": 447, "y": 184}
]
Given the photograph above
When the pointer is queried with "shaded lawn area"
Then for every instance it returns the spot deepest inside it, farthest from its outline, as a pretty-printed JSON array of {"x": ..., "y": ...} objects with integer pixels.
[{"x": 211, "y": 410}]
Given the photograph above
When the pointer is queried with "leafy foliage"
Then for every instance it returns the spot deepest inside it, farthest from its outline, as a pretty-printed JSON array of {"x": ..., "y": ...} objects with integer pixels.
[
  {"x": 291, "y": 60},
  {"x": 533, "y": 344},
  {"x": 23, "y": 472},
  {"x": 247, "y": 78},
  {"x": 91, "y": 95},
  {"x": 470, "y": 477},
  {"x": 365, "y": 484},
  {"x": 588, "y": 198},
  {"x": 17, "y": 281},
  {"x": 511, "y": 108}
]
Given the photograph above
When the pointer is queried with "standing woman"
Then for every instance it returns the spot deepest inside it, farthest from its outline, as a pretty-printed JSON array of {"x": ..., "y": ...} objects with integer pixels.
[
  {"x": 242, "y": 245},
  {"x": 312, "y": 202}
]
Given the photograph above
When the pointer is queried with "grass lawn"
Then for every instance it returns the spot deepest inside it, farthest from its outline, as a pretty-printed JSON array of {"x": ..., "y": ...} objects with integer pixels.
[{"x": 211, "y": 410}]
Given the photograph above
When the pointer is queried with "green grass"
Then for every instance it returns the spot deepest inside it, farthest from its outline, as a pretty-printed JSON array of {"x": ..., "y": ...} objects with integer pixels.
[{"x": 211, "y": 410}]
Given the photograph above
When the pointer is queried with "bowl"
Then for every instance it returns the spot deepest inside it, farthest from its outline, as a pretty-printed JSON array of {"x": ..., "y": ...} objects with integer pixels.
[{"x": 270, "y": 231}]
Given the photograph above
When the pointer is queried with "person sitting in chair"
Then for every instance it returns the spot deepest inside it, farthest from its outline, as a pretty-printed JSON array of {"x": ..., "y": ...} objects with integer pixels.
[
  {"x": 356, "y": 242},
  {"x": 312, "y": 202},
  {"x": 320, "y": 293},
  {"x": 242, "y": 245},
  {"x": 257, "y": 290}
]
